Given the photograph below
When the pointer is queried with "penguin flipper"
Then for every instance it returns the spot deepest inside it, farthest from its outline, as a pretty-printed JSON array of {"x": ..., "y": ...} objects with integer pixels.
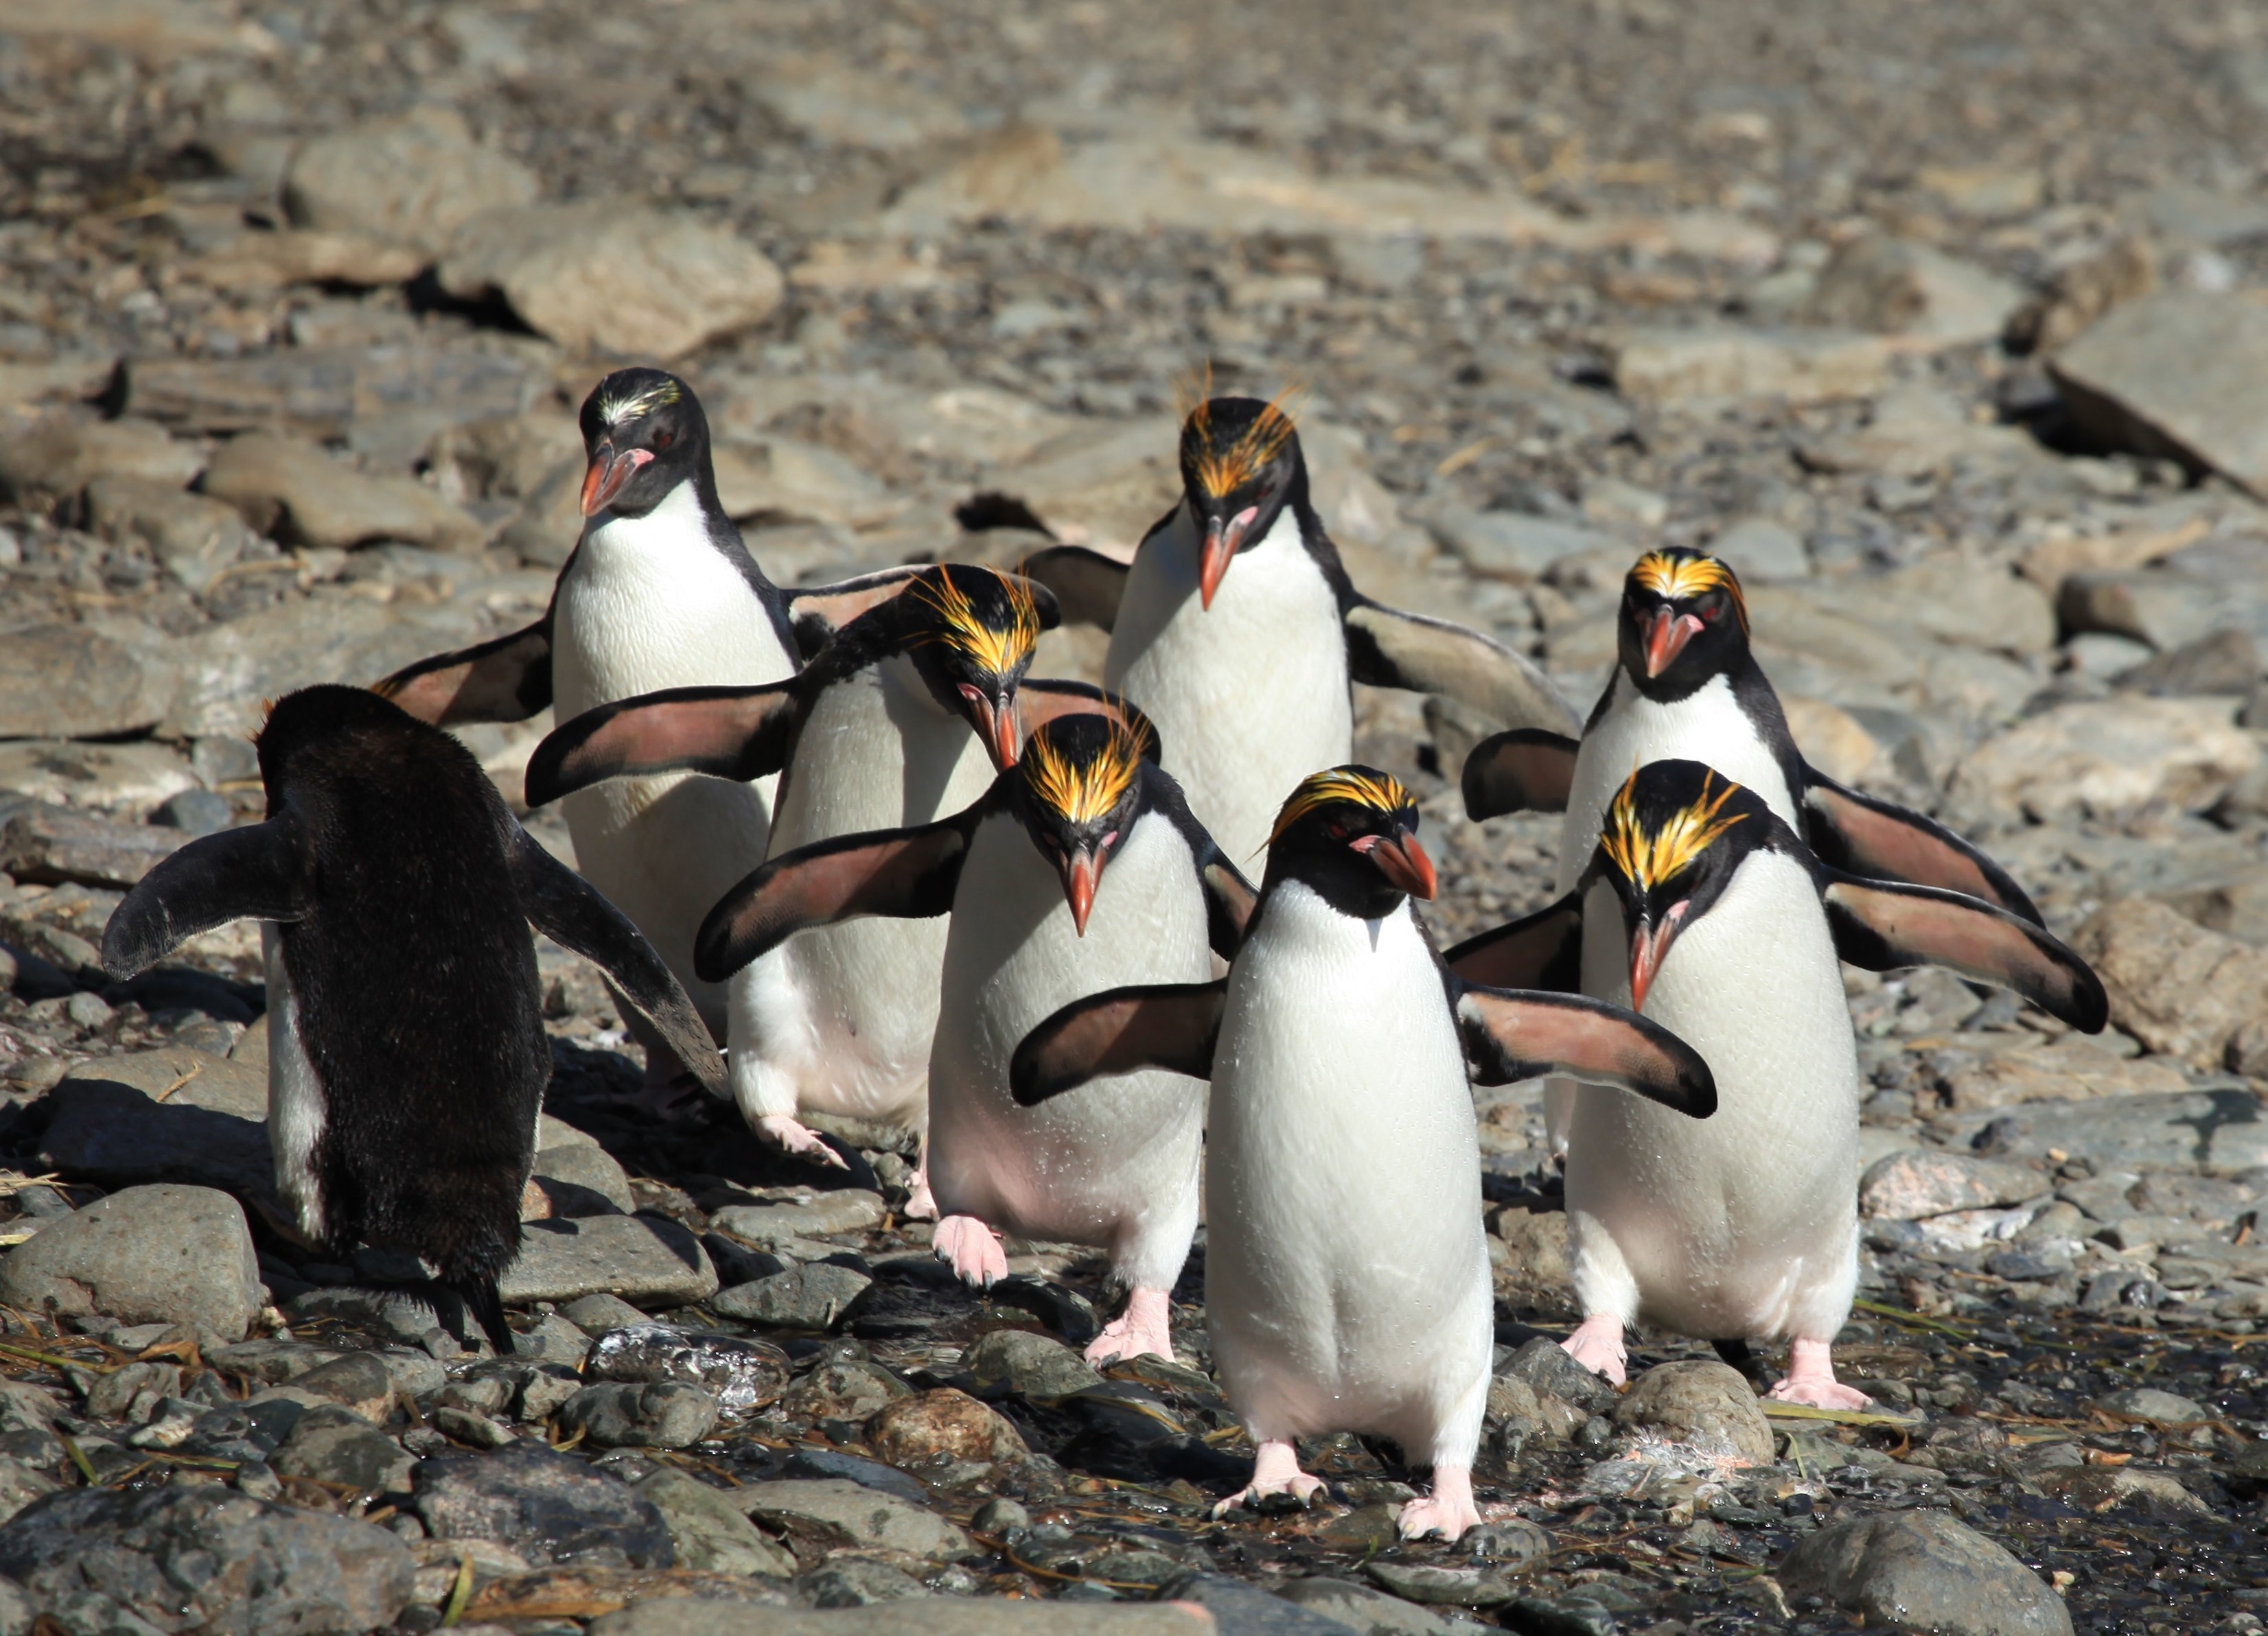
[
  {"x": 1150, "y": 1025},
  {"x": 569, "y": 910},
  {"x": 906, "y": 874},
  {"x": 1882, "y": 924},
  {"x": 727, "y": 732},
  {"x": 507, "y": 680},
  {"x": 1087, "y": 586},
  {"x": 1038, "y": 703},
  {"x": 1388, "y": 648},
  {"x": 1542, "y": 951},
  {"x": 1514, "y": 1036},
  {"x": 1526, "y": 770},
  {"x": 1863, "y": 834},
  {"x": 1230, "y": 901},
  {"x": 254, "y": 873},
  {"x": 815, "y": 613}
]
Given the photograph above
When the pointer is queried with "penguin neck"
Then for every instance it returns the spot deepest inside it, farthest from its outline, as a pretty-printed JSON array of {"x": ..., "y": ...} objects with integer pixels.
[{"x": 689, "y": 517}]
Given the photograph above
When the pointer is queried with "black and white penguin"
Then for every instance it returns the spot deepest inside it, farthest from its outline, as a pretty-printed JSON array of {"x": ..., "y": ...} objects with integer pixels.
[
  {"x": 659, "y": 592},
  {"x": 1237, "y": 630},
  {"x": 406, "y": 1059},
  {"x": 906, "y": 716},
  {"x": 1346, "y": 1268},
  {"x": 1702, "y": 908},
  {"x": 1082, "y": 870}
]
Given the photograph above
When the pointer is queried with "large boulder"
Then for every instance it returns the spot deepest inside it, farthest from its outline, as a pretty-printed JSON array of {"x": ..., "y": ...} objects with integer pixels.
[{"x": 164, "y": 1254}]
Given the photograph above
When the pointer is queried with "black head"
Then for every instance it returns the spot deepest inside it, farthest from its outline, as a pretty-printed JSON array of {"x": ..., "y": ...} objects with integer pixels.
[
  {"x": 1079, "y": 790},
  {"x": 644, "y": 434},
  {"x": 1674, "y": 836},
  {"x": 305, "y": 726},
  {"x": 1684, "y": 621},
  {"x": 1350, "y": 834},
  {"x": 970, "y": 632},
  {"x": 1241, "y": 465}
]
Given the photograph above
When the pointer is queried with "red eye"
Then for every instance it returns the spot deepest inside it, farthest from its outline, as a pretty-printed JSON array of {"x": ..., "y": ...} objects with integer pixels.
[
  {"x": 662, "y": 440},
  {"x": 1338, "y": 831}
]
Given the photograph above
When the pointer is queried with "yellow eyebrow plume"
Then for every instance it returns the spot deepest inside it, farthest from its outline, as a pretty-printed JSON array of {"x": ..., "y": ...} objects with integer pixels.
[
  {"x": 993, "y": 650},
  {"x": 1680, "y": 579},
  {"x": 1081, "y": 793},
  {"x": 1647, "y": 860},
  {"x": 1380, "y": 791},
  {"x": 1224, "y": 471}
]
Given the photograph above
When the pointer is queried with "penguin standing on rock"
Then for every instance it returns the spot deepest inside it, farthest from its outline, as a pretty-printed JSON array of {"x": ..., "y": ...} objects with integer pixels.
[
  {"x": 908, "y": 714},
  {"x": 660, "y": 593},
  {"x": 1346, "y": 1268},
  {"x": 1082, "y": 870},
  {"x": 408, "y": 1059},
  {"x": 1701, "y": 908},
  {"x": 1237, "y": 630}
]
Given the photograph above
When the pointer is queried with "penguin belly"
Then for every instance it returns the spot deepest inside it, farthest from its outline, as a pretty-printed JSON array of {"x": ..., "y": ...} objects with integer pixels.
[
  {"x": 841, "y": 1019},
  {"x": 1115, "y": 1164},
  {"x": 1346, "y": 1270},
  {"x": 1743, "y": 1225},
  {"x": 651, "y": 603},
  {"x": 1250, "y": 695}
]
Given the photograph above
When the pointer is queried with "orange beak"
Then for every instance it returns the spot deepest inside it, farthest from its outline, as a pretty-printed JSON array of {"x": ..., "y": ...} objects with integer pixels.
[
  {"x": 1401, "y": 861},
  {"x": 1082, "y": 873},
  {"x": 1648, "y": 949},
  {"x": 1221, "y": 543},
  {"x": 994, "y": 723},
  {"x": 1666, "y": 638},
  {"x": 608, "y": 473}
]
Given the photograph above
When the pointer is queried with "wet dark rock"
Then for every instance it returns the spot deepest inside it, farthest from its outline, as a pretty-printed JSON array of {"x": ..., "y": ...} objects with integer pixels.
[
  {"x": 833, "y": 1463},
  {"x": 336, "y": 1445},
  {"x": 943, "y": 1424},
  {"x": 663, "y": 1415},
  {"x": 1030, "y": 1366},
  {"x": 708, "y": 1531},
  {"x": 857, "y": 1583},
  {"x": 548, "y": 1506},
  {"x": 147, "y": 1255},
  {"x": 844, "y": 1389},
  {"x": 850, "y": 1513},
  {"x": 922, "y": 1615},
  {"x": 1922, "y": 1568},
  {"x": 1441, "y": 1588},
  {"x": 1242, "y": 1609},
  {"x": 1371, "y": 1612},
  {"x": 639, "y": 1257},
  {"x": 1700, "y": 1402},
  {"x": 1545, "y": 1366},
  {"x": 2159, "y": 1408},
  {"x": 818, "y": 1296},
  {"x": 741, "y": 1373}
]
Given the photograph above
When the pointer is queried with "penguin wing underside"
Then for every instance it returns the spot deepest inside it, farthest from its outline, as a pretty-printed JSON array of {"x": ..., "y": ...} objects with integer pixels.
[
  {"x": 1230, "y": 903},
  {"x": 249, "y": 874},
  {"x": 571, "y": 912},
  {"x": 1862, "y": 834},
  {"x": 1151, "y": 1025},
  {"x": 1526, "y": 770},
  {"x": 905, "y": 874},
  {"x": 727, "y": 732},
  {"x": 1388, "y": 648},
  {"x": 1087, "y": 586},
  {"x": 507, "y": 680},
  {"x": 1882, "y": 924},
  {"x": 1511, "y": 1036},
  {"x": 1541, "y": 950},
  {"x": 816, "y": 612}
]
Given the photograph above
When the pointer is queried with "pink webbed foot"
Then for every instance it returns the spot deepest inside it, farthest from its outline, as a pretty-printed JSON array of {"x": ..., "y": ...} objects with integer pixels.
[
  {"x": 784, "y": 1132},
  {"x": 921, "y": 1204},
  {"x": 971, "y": 1249},
  {"x": 1811, "y": 1380},
  {"x": 1274, "y": 1472},
  {"x": 1146, "y": 1325},
  {"x": 1448, "y": 1511},
  {"x": 1597, "y": 1345}
]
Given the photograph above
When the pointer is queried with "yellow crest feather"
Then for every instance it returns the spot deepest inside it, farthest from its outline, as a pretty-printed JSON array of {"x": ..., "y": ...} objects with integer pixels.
[
  {"x": 1646, "y": 859},
  {"x": 1680, "y": 578},
  {"x": 1224, "y": 471},
  {"x": 993, "y": 651},
  {"x": 1382, "y": 791},
  {"x": 1076, "y": 793}
]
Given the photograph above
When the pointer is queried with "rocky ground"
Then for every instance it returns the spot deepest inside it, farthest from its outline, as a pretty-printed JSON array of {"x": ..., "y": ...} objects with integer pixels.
[{"x": 1946, "y": 324}]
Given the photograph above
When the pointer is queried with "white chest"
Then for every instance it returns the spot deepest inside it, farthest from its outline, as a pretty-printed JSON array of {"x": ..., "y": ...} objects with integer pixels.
[
  {"x": 1250, "y": 695},
  {"x": 877, "y": 751}
]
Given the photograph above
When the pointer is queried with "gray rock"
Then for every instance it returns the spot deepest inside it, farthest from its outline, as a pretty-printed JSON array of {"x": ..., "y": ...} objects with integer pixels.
[
  {"x": 857, "y": 1583},
  {"x": 1894, "y": 288},
  {"x": 844, "y": 1389},
  {"x": 2180, "y": 989},
  {"x": 1031, "y": 1365},
  {"x": 665, "y": 1415},
  {"x": 548, "y": 1506},
  {"x": 1929, "y": 1181},
  {"x": 194, "y": 813},
  {"x": 289, "y": 488},
  {"x": 1513, "y": 545},
  {"x": 71, "y": 681},
  {"x": 2220, "y": 662},
  {"x": 600, "y": 1315},
  {"x": 1712, "y": 362},
  {"x": 20, "y": 1484},
  {"x": 640, "y": 1258},
  {"x": 204, "y": 1558},
  {"x": 845, "y": 1210},
  {"x": 614, "y": 274},
  {"x": 1761, "y": 549},
  {"x": 1922, "y": 1570},
  {"x": 1371, "y": 1612},
  {"x": 360, "y": 1381},
  {"x": 1239, "y": 1609},
  {"x": 741, "y": 1373},
  {"x": 335, "y": 1445},
  {"x": 2160, "y": 1408},
  {"x": 211, "y": 1127},
  {"x": 1441, "y": 1588},
  {"x": 414, "y": 179},
  {"x": 552, "y": 1339},
  {"x": 2150, "y": 604},
  {"x": 816, "y": 1296},
  {"x": 330, "y": 392},
  {"x": 1701, "y": 1402},
  {"x": 710, "y": 1532},
  {"x": 2110, "y": 756},
  {"x": 57, "y": 458},
  {"x": 2219, "y": 1130},
  {"x": 50, "y": 844},
  {"x": 2175, "y": 374},
  {"x": 852, "y": 1514},
  {"x": 194, "y": 537},
  {"x": 161, "y": 1254},
  {"x": 915, "y": 1616},
  {"x": 1545, "y": 1366},
  {"x": 586, "y": 1165},
  {"x": 126, "y": 779}
]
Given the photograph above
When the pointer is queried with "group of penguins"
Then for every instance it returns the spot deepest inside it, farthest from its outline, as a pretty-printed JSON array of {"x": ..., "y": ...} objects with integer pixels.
[{"x": 843, "y": 831}]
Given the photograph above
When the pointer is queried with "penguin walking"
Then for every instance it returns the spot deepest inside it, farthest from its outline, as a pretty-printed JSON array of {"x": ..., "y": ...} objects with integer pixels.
[
  {"x": 1701, "y": 908},
  {"x": 659, "y": 592},
  {"x": 1080, "y": 869},
  {"x": 1237, "y": 630},
  {"x": 407, "y": 1060},
  {"x": 1687, "y": 686},
  {"x": 907, "y": 715},
  {"x": 1346, "y": 1268}
]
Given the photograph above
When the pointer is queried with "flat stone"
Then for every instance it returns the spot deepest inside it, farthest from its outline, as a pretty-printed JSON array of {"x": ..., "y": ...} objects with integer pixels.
[
  {"x": 1701, "y": 1402},
  {"x": 943, "y": 1424},
  {"x": 2160, "y": 1408},
  {"x": 56, "y": 458},
  {"x": 1237, "y": 1609},
  {"x": 122, "y": 1561},
  {"x": 844, "y": 1389},
  {"x": 918, "y": 1616},
  {"x": 2176, "y": 374},
  {"x": 838, "y": 103},
  {"x": 71, "y": 681},
  {"x": 413, "y": 178},
  {"x": 615, "y": 276},
  {"x": 293, "y": 489},
  {"x": 1761, "y": 548},
  {"x": 601, "y": 1315},
  {"x": 1371, "y": 1612},
  {"x": 816, "y": 1296},
  {"x": 2097, "y": 1488},
  {"x": 743, "y": 1374},
  {"x": 663, "y": 1415},
  {"x": 1716, "y": 363},
  {"x": 2157, "y": 606},
  {"x": 1441, "y": 1588},
  {"x": 638, "y": 1258},
  {"x": 2221, "y": 1131},
  {"x": 357, "y": 1381},
  {"x": 161, "y": 1254},
  {"x": 2180, "y": 989},
  {"x": 110, "y": 1126},
  {"x": 850, "y": 1581},
  {"x": 2106, "y": 757},
  {"x": 49, "y": 845},
  {"x": 193, "y": 535},
  {"x": 127, "y": 779},
  {"x": 586, "y": 1165},
  {"x": 851, "y": 1514},
  {"x": 1031, "y": 1365},
  {"x": 271, "y": 259},
  {"x": 1895, "y": 288},
  {"x": 336, "y": 1445},
  {"x": 710, "y": 1532},
  {"x": 2072, "y": 1065},
  {"x": 1921, "y": 1569},
  {"x": 326, "y": 391},
  {"x": 1515, "y": 546},
  {"x": 548, "y": 1506},
  {"x": 19, "y": 1485},
  {"x": 1832, "y": 739},
  {"x": 846, "y": 1210},
  {"x": 1929, "y": 1181}
]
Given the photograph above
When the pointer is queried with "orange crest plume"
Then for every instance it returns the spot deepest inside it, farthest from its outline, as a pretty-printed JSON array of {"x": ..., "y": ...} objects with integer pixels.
[
  {"x": 1380, "y": 791},
  {"x": 1224, "y": 471},
  {"x": 993, "y": 650},
  {"x": 1080, "y": 793},
  {"x": 1680, "y": 577},
  {"x": 1646, "y": 860}
]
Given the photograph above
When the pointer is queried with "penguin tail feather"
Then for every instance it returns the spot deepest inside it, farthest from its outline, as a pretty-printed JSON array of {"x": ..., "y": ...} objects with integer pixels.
[{"x": 486, "y": 1305}]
